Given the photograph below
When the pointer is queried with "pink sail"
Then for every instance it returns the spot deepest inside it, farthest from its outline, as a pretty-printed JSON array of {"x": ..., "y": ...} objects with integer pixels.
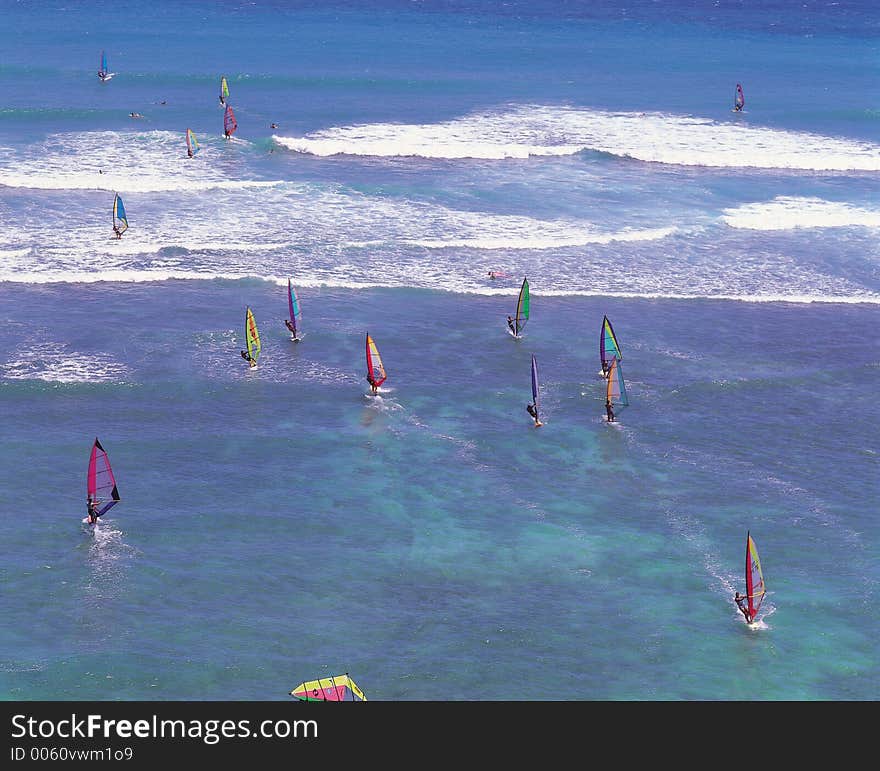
[{"x": 100, "y": 482}]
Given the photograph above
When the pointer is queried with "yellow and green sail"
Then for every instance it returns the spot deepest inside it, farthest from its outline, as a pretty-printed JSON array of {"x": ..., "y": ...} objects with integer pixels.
[
  {"x": 252, "y": 335},
  {"x": 608, "y": 346},
  {"x": 522, "y": 306}
]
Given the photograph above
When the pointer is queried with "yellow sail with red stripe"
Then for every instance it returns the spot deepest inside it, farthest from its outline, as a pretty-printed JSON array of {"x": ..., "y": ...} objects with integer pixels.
[{"x": 755, "y": 590}]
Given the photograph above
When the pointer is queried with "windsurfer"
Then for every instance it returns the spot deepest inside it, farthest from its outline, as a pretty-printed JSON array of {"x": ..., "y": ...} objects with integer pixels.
[
  {"x": 609, "y": 411},
  {"x": 373, "y": 387},
  {"x": 248, "y": 358},
  {"x": 117, "y": 231},
  {"x": 533, "y": 411},
  {"x": 135, "y": 115},
  {"x": 511, "y": 324},
  {"x": 740, "y": 603},
  {"x": 290, "y": 326},
  {"x": 92, "y": 510}
]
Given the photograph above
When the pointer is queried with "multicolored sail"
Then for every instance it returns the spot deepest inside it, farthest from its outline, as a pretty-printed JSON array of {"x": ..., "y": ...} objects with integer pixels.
[
  {"x": 522, "y": 307},
  {"x": 754, "y": 578},
  {"x": 375, "y": 371},
  {"x": 230, "y": 124},
  {"x": 252, "y": 335},
  {"x": 224, "y": 90},
  {"x": 120, "y": 220},
  {"x": 615, "y": 391},
  {"x": 608, "y": 346},
  {"x": 100, "y": 482},
  {"x": 535, "y": 388},
  {"x": 192, "y": 144},
  {"x": 739, "y": 100},
  {"x": 294, "y": 310},
  {"x": 339, "y": 688}
]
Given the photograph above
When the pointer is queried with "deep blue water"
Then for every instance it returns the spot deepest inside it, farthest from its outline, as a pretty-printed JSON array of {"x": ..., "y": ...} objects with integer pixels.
[{"x": 277, "y": 525}]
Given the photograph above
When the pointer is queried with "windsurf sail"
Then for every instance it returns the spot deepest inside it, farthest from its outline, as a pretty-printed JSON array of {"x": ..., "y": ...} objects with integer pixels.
[
  {"x": 375, "y": 371},
  {"x": 293, "y": 309},
  {"x": 339, "y": 688},
  {"x": 120, "y": 220},
  {"x": 739, "y": 100},
  {"x": 522, "y": 306},
  {"x": 535, "y": 386},
  {"x": 192, "y": 144},
  {"x": 252, "y": 335},
  {"x": 616, "y": 388},
  {"x": 229, "y": 122},
  {"x": 608, "y": 346},
  {"x": 754, "y": 578},
  {"x": 100, "y": 482},
  {"x": 224, "y": 90}
]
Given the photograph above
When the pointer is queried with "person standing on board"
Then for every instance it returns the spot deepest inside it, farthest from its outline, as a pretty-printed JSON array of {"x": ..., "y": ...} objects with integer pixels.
[
  {"x": 92, "y": 511},
  {"x": 248, "y": 358},
  {"x": 511, "y": 324},
  {"x": 373, "y": 387},
  {"x": 117, "y": 231},
  {"x": 533, "y": 411},
  {"x": 740, "y": 601},
  {"x": 609, "y": 411}
]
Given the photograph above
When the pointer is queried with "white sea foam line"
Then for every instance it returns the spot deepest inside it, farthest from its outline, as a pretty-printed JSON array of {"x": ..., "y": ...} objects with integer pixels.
[
  {"x": 305, "y": 281},
  {"x": 790, "y": 212},
  {"x": 151, "y": 161},
  {"x": 51, "y": 362},
  {"x": 524, "y": 130},
  {"x": 309, "y": 219}
]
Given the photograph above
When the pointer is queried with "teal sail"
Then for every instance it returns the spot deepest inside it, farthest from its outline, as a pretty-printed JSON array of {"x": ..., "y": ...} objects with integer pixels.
[{"x": 120, "y": 221}]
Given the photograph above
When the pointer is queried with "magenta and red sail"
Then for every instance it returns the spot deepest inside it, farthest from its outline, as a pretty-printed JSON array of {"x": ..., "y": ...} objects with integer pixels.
[{"x": 100, "y": 482}]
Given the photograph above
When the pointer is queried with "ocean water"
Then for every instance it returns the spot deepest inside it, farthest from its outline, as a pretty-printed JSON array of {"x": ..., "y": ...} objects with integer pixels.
[{"x": 277, "y": 524}]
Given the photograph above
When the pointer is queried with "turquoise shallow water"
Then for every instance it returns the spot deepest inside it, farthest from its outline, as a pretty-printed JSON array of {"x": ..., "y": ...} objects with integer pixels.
[
  {"x": 276, "y": 521},
  {"x": 277, "y": 525}
]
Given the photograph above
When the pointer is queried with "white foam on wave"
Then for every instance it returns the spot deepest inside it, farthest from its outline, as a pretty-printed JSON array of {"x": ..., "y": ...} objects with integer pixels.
[
  {"x": 535, "y": 130},
  {"x": 53, "y": 362},
  {"x": 791, "y": 212},
  {"x": 133, "y": 162}
]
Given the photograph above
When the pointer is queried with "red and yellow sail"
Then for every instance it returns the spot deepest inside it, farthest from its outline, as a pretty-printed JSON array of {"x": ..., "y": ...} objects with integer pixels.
[
  {"x": 754, "y": 578},
  {"x": 375, "y": 370}
]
